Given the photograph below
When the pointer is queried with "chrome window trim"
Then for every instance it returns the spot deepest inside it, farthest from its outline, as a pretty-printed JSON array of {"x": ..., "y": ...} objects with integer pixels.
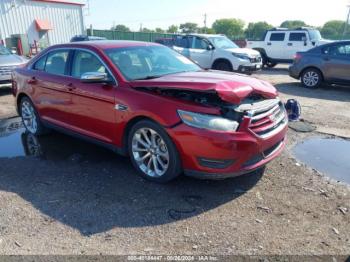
[{"x": 72, "y": 49}]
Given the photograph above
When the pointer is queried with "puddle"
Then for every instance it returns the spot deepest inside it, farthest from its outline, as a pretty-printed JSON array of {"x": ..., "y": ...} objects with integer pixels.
[
  {"x": 16, "y": 142},
  {"x": 327, "y": 155}
]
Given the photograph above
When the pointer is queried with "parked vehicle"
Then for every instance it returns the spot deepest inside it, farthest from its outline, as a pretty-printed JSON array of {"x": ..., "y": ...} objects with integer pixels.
[
  {"x": 217, "y": 52},
  {"x": 279, "y": 45},
  {"x": 79, "y": 38},
  {"x": 8, "y": 62},
  {"x": 155, "y": 105},
  {"x": 328, "y": 63}
]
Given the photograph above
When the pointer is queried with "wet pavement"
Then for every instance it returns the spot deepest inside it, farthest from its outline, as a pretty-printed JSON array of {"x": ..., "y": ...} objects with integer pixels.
[{"x": 330, "y": 156}]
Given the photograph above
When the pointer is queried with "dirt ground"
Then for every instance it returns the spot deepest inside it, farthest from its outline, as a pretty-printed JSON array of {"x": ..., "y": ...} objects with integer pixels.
[{"x": 81, "y": 199}]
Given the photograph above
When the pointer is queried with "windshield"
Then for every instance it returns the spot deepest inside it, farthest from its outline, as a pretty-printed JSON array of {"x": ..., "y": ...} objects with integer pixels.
[
  {"x": 4, "y": 51},
  {"x": 222, "y": 42},
  {"x": 315, "y": 35},
  {"x": 146, "y": 62}
]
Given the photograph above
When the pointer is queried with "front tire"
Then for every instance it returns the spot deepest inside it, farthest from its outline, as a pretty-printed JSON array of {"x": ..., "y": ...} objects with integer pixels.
[
  {"x": 311, "y": 78},
  {"x": 30, "y": 117},
  {"x": 153, "y": 153},
  {"x": 223, "y": 66}
]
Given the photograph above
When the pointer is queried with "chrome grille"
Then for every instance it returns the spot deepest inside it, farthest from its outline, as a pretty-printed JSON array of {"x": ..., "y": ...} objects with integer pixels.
[
  {"x": 256, "y": 59},
  {"x": 268, "y": 117},
  {"x": 6, "y": 70}
]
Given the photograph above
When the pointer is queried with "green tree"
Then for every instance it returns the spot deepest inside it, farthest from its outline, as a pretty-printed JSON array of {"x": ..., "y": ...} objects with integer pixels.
[
  {"x": 146, "y": 30},
  {"x": 189, "y": 28},
  {"x": 173, "y": 29},
  {"x": 291, "y": 24},
  {"x": 206, "y": 30},
  {"x": 159, "y": 30},
  {"x": 232, "y": 28},
  {"x": 255, "y": 31},
  {"x": 121, "y": 28},
  {"x": 334, "y": 30}
]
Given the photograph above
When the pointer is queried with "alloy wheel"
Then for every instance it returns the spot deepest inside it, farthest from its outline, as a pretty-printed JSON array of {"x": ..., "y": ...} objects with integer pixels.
[
  {"x": 150, "y": 152},
  {"x": 311, "y": 79},
  {"x": 29, "y": 117}
]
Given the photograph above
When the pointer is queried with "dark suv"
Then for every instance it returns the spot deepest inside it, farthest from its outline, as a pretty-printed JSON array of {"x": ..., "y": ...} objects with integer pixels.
[{"x": 328, "y": 63}]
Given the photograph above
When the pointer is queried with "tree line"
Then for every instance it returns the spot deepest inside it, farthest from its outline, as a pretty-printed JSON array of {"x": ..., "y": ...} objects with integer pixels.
[{"x": 237, "y": 28}]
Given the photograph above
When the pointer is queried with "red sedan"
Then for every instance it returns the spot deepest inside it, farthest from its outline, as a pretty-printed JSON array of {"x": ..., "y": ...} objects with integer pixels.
[{"x": 153, "y": 104}]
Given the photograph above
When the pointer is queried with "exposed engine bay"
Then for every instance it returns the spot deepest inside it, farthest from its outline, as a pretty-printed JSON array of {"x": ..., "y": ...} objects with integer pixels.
[{"x": 209, "y": 99}]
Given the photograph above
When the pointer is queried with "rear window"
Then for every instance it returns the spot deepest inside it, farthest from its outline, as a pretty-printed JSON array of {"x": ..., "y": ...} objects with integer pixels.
[
  {"x": 277, "y": 36},
  {"x": 297, "y": 37},
  {"x": 56, "y": 62},
  {"x": 40, "y": 64}
]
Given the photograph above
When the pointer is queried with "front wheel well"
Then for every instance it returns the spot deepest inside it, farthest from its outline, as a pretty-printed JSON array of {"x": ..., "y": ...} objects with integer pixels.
[
  {"x": 128, "y": 128},
  {"x": 221, "y": 60},
  {"x": 311, "y": 67}
]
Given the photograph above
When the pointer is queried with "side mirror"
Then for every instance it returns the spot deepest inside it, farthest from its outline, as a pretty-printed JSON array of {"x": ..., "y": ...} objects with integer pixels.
[
  {"x": 210, "y": 47},
  {"x": 94, "y": 77}
]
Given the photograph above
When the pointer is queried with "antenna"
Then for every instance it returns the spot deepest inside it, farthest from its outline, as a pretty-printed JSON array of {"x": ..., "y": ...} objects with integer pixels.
[{"x": 205, "y": 23}]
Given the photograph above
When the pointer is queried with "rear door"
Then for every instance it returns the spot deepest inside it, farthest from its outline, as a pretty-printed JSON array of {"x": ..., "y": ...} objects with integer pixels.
[
  {"x": 93, "y": 104},
  {"x": 337, "y": 62},
  {"x": 200, "y": 52},
  {"x": 297, "y": 42},
  {"x": 275, "y": 48},
  {"x": 50, "y": 84}
]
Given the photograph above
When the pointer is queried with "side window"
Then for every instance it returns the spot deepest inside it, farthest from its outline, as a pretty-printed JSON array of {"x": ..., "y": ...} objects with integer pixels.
[
  {"x": 300, "y": 37},
  {"x": 277, "y": 36},
  {"x": 56, "y": 62},
  {"x": 337, "y": 50},
  {"x": 182, "y": 42},
  {"x": 85, "y": 62},
  {"x": 200, "y": 43},
  {"x": 40, "y": 64}
]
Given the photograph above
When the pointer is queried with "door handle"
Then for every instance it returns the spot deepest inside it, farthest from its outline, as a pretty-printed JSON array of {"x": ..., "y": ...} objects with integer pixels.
[
  {"x": 268, "y": 43},
  {"x": 326, "y": 59},
  {"x": 290, "y": 44},
  {"x": 32, "y": 81},
  {"x": 71, "y": 87}
]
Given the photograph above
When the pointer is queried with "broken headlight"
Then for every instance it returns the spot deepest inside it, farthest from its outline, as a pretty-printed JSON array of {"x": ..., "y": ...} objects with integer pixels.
[{"x": 209, "y": 122}]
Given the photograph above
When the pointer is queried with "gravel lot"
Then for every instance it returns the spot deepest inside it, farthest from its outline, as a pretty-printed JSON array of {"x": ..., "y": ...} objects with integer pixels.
[{"x": 81, "y": 199}]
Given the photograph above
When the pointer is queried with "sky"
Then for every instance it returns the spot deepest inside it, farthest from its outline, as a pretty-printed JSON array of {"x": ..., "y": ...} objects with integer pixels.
[{"x": 103, "y": 14}]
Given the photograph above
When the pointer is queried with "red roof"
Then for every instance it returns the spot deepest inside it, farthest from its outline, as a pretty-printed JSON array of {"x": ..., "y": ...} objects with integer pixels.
[
  {"x": 60, "y": 2},
  {"x": 43, "y": 25}
]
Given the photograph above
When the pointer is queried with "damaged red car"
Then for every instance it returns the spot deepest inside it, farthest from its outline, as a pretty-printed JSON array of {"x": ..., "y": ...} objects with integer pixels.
[{"x": 146, "y": 101}]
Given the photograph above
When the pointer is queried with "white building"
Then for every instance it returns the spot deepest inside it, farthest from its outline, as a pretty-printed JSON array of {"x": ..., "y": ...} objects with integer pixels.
[{"x": 41, "y": 22}]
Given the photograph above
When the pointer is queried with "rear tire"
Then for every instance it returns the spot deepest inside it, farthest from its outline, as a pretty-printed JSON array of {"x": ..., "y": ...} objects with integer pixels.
[
  {"x": 153, "y": 153},
  {"x": 223, "y": 66},
  {"x": 311, "y": 78},
  {"x": 30, "y": 117},
  {"x": 270, "y": 64}
]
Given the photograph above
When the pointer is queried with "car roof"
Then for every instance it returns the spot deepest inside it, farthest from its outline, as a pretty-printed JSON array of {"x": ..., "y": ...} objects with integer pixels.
[
  {"x": 106, "y": 44},
  {"x": 206, "y": 35}
]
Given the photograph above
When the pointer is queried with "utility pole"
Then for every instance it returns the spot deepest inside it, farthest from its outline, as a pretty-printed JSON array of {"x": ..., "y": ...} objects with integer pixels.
[
  {"x": 205, "y": 23},
  {"x": 141, "y": 27},
  {"x": 346, "y": 23}
]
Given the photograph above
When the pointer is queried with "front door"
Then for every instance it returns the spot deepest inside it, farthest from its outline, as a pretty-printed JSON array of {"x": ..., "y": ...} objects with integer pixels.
[
  {"x": 297, "y": 42},
  {"x": 337, "y": 62},
  {"x": 201, "y": 53},
  {"x": 93, "y": 112}
]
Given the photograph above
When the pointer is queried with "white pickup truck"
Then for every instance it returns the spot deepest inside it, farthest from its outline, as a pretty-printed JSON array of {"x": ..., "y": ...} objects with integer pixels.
[
  {"x": 217, "y": 52},
  {"x": 280, "y": 45}
]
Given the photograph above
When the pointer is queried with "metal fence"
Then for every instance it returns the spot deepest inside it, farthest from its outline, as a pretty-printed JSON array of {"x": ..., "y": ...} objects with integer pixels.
[{"x": 137, "y": 36}]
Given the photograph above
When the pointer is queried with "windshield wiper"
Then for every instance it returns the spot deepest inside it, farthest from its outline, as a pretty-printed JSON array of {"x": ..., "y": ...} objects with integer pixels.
[{"x": 148, "y": 77}]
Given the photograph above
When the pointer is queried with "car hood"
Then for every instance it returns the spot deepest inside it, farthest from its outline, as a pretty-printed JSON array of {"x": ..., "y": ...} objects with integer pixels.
[
  {"x": 246, "y": 51},
  {"x": 230, "y": 87},
  {"x": 12, "y": 60}
]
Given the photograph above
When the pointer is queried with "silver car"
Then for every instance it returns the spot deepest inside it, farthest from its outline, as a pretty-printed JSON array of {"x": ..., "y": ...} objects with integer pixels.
[{"x": 8, "y": 62}]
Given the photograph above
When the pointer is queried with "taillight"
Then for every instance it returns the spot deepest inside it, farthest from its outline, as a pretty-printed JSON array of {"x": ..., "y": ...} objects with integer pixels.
[{"x": 297, "y": 57}]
